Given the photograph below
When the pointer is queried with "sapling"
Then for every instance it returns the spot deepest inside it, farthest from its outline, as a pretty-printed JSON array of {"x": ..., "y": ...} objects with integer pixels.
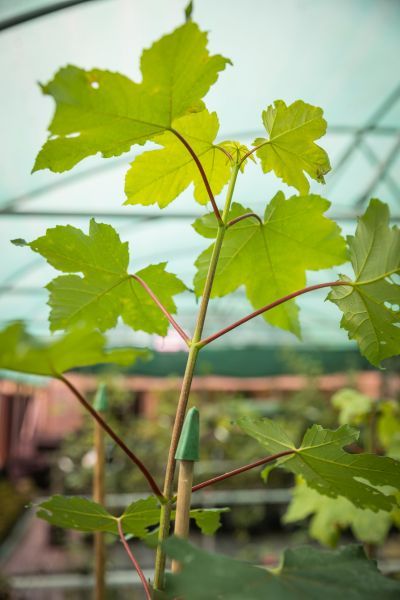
[{"x": 104, "y": 112}]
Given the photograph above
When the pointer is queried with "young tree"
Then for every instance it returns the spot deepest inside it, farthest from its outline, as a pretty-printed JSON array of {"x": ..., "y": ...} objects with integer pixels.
[{"x": 104, "y": 112}]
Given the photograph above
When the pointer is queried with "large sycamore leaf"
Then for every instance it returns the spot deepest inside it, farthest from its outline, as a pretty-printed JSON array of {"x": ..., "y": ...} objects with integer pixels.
[
  {"x": 330, "y": 516},
  {"x": 305, "y": 574},
  {"x": 159, "y": 176},
  {"x": 106, "y": 290},
  {"x": 370, "y": 305},
  {"x": 137, "y": 519},
  {"x": 271, "y": 259},
  {"x": 80, "y": 347},
  {"x": 290, "y": 150},
  {"x": 326, "y": 467},
  {"x": 102, "y": 111}
]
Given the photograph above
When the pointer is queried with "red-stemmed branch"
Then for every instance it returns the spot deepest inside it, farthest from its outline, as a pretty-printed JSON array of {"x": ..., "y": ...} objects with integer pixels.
[
  {"x": 258, "y": 463},
  {"x": 150, "y": 480},
  {"x": 224, "y": 151},
  {"x": 170, "y": 318},
  {"x": 202, "y": 173},
  {"x": 250, "y": 152},
  {"x": 242, "y": 217},
  {"x": 134, "y": 562},
  {"x": 268, "y": 307}
]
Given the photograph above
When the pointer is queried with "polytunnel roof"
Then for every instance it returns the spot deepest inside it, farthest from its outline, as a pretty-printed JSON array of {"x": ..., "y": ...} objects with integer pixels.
[{"x": 342, "y": 56}]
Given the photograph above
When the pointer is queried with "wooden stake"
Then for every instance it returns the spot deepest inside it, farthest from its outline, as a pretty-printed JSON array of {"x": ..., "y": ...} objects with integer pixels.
[
  {"x": 184, "y": 496},
  {"x": 100, "y": 405},
  {"x": 187, "y": 453}
]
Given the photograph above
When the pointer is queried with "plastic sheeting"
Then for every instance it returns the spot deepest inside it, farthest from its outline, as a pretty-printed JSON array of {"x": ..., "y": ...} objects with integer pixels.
[{"x": 340, "y": 55}]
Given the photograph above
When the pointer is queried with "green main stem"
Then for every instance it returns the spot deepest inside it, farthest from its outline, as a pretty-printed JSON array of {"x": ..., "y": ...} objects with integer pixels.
[{"x": 168, "y": 491}]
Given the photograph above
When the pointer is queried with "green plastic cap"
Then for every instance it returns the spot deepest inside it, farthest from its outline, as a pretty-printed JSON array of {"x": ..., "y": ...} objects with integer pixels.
[
  {"x": 101, "y": 400},
  {"x": 189, "y": 442}
]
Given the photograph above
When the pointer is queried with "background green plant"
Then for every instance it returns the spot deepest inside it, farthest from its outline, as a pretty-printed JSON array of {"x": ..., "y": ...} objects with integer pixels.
[{"x": 379, "y": 422}]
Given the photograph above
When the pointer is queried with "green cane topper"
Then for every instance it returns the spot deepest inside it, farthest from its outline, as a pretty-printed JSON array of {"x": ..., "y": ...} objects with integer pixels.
[
  {"x": 101, "y": 399},
  {"x": 188, "y": 447}
]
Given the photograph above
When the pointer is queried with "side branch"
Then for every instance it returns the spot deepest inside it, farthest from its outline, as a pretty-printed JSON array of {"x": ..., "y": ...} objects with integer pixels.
[
  {"x": 258, "y": 463},
  {"x": 134, "y": 562},
  {"x": 170, "y": 318},
  {"x": 268, "y": 307},
  {"x": 150, "y": 480},
  {"x": 202, "y": 173},
  {"x": 242, "y": 217},
  {"x": 227, "y": 154},
  {"x": 250, "y": 152}
]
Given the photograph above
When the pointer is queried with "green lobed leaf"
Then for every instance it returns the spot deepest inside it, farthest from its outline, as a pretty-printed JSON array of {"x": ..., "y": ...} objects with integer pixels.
[
  {"x": 84, "y": 515},
  {"x": 77, "y": 513},
  {"x": 208, "y": 520},
  {"x": 102, "y": 111},
  {"x": 326, "y": 467},
  {"x": 139, "y": 310},
  {"x": 370, "y": 305},
  {"x": 330, "y": 516},
  {"x": 139, "y": 516},
  {"x": 305, "y": 573},
  {"x": 137, "y": 519},
  {"x": 290, "y": 150},
  {"x": 106, "y": 290},
  {"x": 80, "y": 347},
  {"x": 179, "y": 69},
  {"x": 159, "y": 176},
  {"x": 295, "y": 237},
  {"x": 268, "y": 433}
]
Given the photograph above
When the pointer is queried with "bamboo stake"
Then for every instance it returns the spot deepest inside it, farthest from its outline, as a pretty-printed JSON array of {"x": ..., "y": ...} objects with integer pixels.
[
  {"x": 184, "y": 496},
  {"x": 101, "y": 405},
  {"x": 187, "y": 453}
]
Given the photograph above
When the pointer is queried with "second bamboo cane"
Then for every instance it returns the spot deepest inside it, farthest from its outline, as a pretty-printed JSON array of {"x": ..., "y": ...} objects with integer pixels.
[{"x": 101, "y": 405}]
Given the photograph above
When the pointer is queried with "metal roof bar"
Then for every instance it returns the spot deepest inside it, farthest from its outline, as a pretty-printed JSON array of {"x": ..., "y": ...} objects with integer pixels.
[
  {"x": 39, "y": 12},
  {"x": 374, "y": 160},
  {"x": 95, "y": 213},
  {"x": 381, "y": 173},
  {"x": 349, "y": 216},
  {"x": 370, "y": 126}
]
